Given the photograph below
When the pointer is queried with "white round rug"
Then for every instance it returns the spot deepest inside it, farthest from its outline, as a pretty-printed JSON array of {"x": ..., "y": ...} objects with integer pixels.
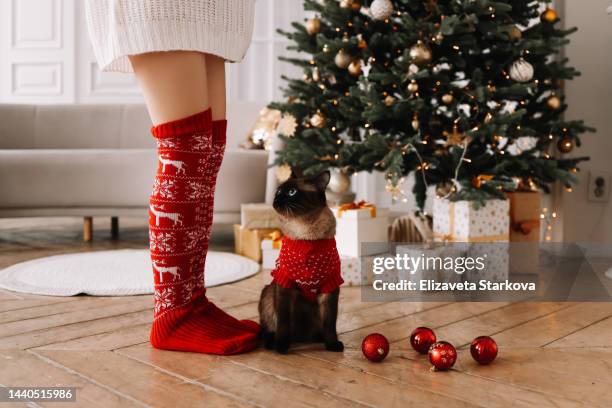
[{"x": 110, "y": 273}]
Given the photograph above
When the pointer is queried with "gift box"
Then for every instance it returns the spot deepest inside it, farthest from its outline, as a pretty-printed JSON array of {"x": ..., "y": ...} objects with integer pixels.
[
  {"x": 258, "y": 215},
  {"x": 361, "y": 222},
  {"x": 350, "y": 268},
  {"x": 524, "y": 216},
  {"x": 524, "y": 229},
  {"x": 270, "y": 249},
  {"x": 247, "y": 242},
  {"x": 464, "y": 221}
]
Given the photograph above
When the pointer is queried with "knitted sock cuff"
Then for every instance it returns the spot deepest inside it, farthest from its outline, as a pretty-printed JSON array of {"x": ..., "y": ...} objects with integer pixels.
[
  {"x": 219, "y": 131},
  {"x": 191, "y": 124}
]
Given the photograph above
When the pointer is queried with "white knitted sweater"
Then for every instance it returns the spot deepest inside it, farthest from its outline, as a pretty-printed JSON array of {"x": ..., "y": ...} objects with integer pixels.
[{"x": 119, "y": 28}]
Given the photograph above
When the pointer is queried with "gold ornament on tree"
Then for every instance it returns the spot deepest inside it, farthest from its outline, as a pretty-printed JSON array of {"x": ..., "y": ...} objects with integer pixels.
[
  {"x": 415, "y": 122},
  {"x": 413, "y": 86},
  {"x": 389, "y": 100},
  {"x": 565, "y": 144},
  {"x": 354, "y": 68},
  {"x": 381, "y": 9},
  {"x": 554, "y": 102},
  {"x": 342, "y": 59},
  {"x": 318, "y": 120},
  {"x": 287, "y": 125},
  {"x": 283, "y": 172},
  {"x": 420, "y": 53},
  {"x": 455, "y": 137},
  {"x": 549, "y": 16},
  {"x": 447, "y": 98},
  {"x": 521, "y": 71},
  {"x": 515, "y": 33},
  {"x": 313, "y": 26}
]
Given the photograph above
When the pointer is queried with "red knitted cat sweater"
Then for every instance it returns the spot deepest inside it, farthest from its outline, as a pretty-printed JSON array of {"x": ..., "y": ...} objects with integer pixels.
[{"x": 312, "y": 266}]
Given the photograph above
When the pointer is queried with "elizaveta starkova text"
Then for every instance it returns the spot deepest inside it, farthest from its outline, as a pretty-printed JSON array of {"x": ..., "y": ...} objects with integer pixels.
[{"x": 431, "y": 285}]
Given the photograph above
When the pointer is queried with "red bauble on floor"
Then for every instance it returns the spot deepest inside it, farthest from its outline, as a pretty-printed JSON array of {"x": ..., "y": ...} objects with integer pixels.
[
  {"x": 483, "y": 349},
  {"x": 375, "y": 347},
  {"x": 442, "y": 355},
  {"x": 422, "y": 338}
]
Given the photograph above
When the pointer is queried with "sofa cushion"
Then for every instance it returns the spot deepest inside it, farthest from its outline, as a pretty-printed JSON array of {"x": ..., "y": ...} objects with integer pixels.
[{"x": 113, "y": 178}]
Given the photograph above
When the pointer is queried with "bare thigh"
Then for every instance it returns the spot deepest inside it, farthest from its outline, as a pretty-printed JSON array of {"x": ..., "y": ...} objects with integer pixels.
[{"x": 174, "y": 83}]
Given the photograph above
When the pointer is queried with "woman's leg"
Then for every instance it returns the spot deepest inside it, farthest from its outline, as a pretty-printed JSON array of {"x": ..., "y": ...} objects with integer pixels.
[
  {"x": 180, "y": 210},
  {"x": 215, "y": 76}
]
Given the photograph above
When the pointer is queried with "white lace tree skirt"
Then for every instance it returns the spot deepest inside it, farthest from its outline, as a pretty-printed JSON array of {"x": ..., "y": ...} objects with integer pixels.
[{"x": 110, "y": 273}]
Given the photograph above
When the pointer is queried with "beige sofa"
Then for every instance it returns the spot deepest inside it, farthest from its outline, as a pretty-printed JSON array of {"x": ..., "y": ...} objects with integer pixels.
[{"x": 99, "y": 160}]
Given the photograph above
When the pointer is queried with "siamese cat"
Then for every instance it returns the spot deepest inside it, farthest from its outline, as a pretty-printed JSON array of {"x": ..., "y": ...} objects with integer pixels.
[{"x": 301, "y": 304}]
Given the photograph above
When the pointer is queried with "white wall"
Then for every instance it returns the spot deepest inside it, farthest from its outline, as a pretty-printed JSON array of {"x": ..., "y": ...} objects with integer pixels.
[
  {"x": 589, "y": 97},
  {"x": 45, "y": 56}
]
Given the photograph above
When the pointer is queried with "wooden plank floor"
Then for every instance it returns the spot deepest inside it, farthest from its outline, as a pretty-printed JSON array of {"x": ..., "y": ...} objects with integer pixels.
[{"x": 551, "y": 354}]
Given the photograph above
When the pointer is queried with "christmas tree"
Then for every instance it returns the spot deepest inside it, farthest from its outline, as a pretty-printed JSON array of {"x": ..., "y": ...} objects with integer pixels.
[{"x": 465, "y": 95}]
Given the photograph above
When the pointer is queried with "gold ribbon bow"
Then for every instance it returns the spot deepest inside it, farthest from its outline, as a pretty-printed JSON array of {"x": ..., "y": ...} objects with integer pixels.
[
  {"x": 277, "y": 237},
  {"x": 525, "y": 227},
  {"x": 357, "y": 206}
]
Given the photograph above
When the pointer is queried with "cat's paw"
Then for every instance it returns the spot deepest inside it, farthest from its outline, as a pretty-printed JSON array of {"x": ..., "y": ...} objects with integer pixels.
[
  {"x": 282, "y": 345},
  {"x": 335, "y": 346}
]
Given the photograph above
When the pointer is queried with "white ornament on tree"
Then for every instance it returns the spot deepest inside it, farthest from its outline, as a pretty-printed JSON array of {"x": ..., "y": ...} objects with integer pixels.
[
  {"x": 522, "y": 144},
  {"x": 381, "y": 9},
  {"x": 521, "y": 71},
  {"x": 339, "y": 182}
]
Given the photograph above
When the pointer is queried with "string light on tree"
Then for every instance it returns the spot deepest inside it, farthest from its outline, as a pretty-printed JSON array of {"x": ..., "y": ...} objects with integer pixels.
[{"x": 548, "y": 218}]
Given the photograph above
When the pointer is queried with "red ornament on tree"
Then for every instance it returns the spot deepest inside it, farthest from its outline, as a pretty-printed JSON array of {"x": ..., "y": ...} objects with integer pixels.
[
  {"x": 483, "y": 349},
  {"x": 375, "y": 347},
  {"x": 442, "y": 355},
  {"x": 422, "y": 338}
]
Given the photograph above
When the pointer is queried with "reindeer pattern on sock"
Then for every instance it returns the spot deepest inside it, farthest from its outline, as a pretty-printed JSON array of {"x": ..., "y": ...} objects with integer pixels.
[
  {"x": 176, "y": 218},
  {"x": 172, "y": 270},
  {"x": 177, "y": 164}
]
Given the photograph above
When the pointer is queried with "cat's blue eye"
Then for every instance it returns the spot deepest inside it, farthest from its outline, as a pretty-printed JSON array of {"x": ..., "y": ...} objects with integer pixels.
[{"x": 292, "y": 192}]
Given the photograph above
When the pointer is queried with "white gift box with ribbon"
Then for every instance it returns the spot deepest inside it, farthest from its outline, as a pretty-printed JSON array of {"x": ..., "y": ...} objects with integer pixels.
[
  {"x": 357, "y": 225},
  {"x": 461, "y": 221}
]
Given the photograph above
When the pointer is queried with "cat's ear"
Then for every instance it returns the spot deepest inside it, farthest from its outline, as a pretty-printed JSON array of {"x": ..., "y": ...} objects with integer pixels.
[{"x": 322, "y": 180}]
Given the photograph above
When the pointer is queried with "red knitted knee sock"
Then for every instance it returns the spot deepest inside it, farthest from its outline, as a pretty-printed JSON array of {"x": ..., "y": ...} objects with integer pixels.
[{"x": 180, "y": 219}]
